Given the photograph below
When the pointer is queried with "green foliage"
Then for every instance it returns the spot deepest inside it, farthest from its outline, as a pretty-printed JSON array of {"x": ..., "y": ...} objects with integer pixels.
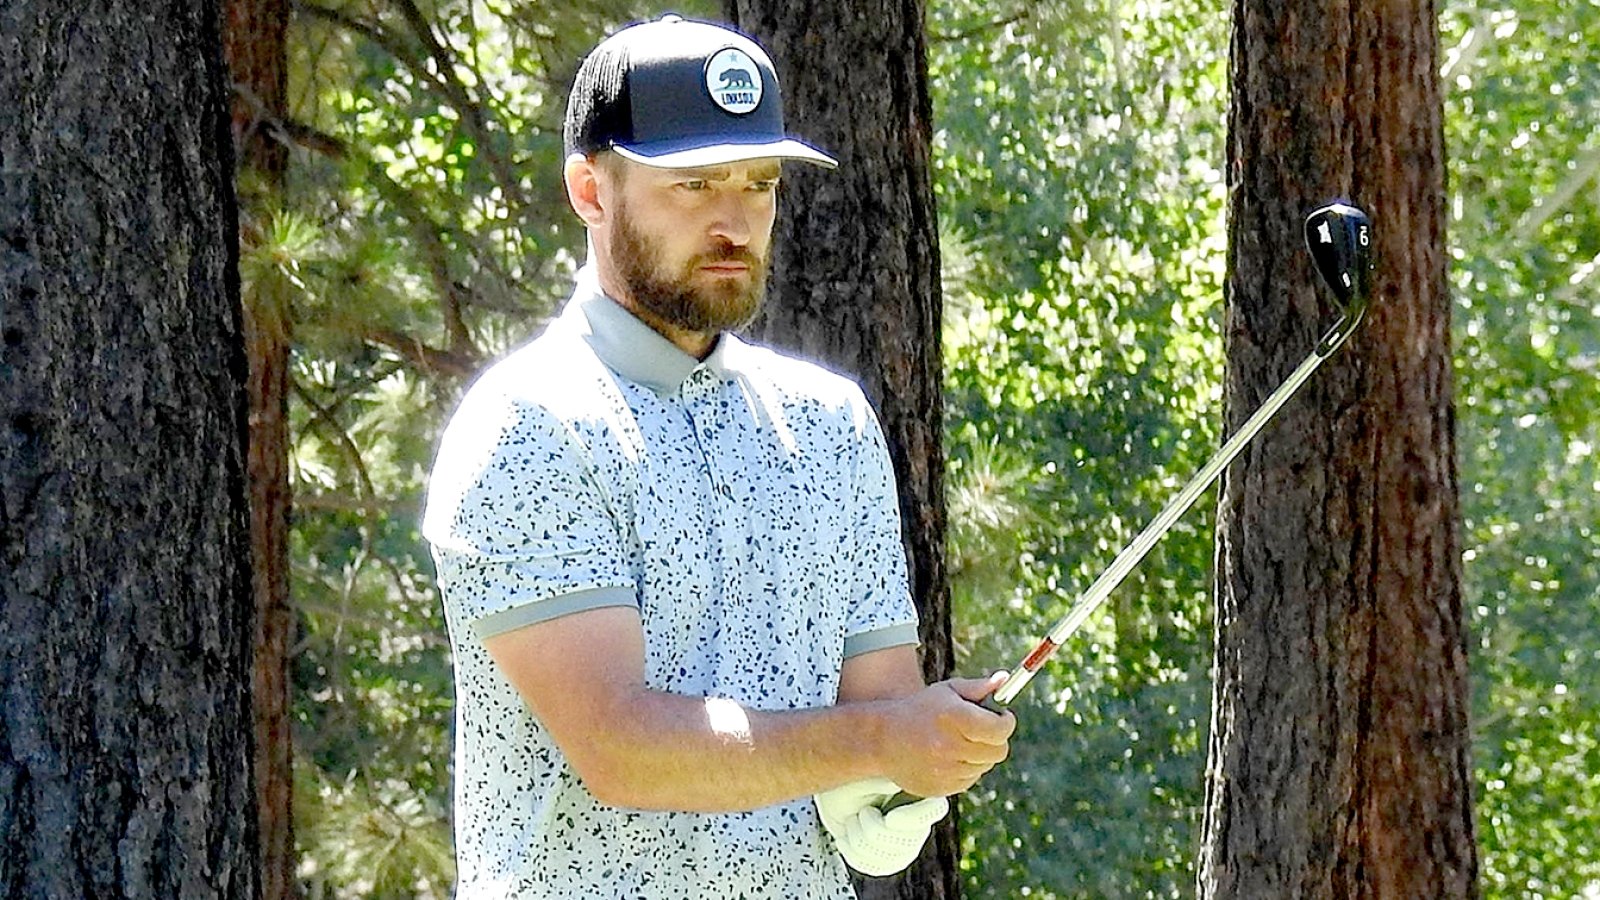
[
  {"x": 1077, "y": 175},
  {"x": 1523, "y": 127},
  {"x": 370, "y": 667},
  {"x": 369, "y": 839}
]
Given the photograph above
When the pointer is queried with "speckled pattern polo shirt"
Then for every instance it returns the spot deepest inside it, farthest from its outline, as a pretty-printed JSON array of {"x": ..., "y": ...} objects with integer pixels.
[{"x": 744, "y": 504}]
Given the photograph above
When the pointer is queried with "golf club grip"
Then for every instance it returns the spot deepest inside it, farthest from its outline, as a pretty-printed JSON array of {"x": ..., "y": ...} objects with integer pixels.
[{"x": 905, "y": 799}]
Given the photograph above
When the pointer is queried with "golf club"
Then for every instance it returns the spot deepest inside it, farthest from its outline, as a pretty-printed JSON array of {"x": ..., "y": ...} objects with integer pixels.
[{"x": 1339, "y": 237}]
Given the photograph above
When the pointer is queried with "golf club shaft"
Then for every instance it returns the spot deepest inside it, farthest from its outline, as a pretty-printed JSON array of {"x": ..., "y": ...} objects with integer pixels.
[
  {"x": 1343, "y": 266},
  {"x": 1136, "y": 550},
  {"x": 1141, "y": 545}
]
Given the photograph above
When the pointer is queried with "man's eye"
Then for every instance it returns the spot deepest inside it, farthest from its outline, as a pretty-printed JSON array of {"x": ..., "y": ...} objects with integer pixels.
[
  {"x": 769, "y": 185},
  {"x": 693, "y": 184}
]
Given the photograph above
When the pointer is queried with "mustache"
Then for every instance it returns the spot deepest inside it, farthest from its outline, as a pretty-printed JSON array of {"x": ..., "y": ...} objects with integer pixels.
[{"x": 727, "y": 253}]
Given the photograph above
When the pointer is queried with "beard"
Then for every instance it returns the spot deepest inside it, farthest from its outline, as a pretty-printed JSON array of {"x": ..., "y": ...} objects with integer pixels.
[{"x": 673, "y": 297}]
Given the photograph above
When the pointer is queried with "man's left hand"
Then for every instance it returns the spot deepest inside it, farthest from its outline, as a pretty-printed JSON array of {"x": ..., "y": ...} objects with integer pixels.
[{"x": 874, "y": 842}]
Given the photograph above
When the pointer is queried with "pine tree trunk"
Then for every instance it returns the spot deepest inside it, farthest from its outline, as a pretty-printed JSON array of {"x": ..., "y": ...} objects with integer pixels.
[
  {"x": 125, "y": 614},
  {"x": 855, "y": 280},
  {"x": 255, "y": 45},
  {"x": 1339, "y": 749}
]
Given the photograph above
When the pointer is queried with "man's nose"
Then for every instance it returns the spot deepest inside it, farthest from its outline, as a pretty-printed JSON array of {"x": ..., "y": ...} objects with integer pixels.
[{"x": 731, "y": 221}]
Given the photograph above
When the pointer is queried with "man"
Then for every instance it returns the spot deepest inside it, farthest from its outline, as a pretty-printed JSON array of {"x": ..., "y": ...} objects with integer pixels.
[{"x": 670, "y": 560}]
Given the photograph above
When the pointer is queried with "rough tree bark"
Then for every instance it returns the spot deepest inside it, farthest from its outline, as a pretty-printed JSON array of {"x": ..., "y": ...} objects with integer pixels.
[
  {"x": 1339, "y": 748},
  {"x": 125, "y": 614},
  {"x": 255, "y": 46},
  {"x": 855, "y": 278}
]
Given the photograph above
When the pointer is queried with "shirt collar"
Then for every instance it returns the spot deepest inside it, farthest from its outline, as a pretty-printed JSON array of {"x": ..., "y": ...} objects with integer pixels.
[{"x": 633, "y": 349}]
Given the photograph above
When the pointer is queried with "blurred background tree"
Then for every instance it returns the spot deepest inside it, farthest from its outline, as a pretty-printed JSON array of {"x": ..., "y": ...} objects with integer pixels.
[{"x": 1077, "y": 156}]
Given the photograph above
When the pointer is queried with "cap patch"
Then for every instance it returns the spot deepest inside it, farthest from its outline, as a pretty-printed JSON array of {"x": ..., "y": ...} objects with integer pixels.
[{"x": 734, "y": 81}]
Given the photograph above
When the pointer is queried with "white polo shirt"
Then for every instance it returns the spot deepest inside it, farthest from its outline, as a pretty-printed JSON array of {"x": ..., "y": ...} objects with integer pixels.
[{"x": 744, "y": 504}]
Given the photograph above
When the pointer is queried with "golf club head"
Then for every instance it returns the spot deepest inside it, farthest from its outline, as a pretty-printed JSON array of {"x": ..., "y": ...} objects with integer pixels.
[{"x": 1339, "y": 237}]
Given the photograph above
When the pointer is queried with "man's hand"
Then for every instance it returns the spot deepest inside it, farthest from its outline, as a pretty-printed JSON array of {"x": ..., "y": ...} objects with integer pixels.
[
  {"x": 871, "y": 841},
  {"x": 940, "y": 742}
]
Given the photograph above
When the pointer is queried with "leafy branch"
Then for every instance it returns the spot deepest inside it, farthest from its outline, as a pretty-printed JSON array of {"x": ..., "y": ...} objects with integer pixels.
[
  {"x": 980, "y": 30},
  {"x": 441, "y": 78}
]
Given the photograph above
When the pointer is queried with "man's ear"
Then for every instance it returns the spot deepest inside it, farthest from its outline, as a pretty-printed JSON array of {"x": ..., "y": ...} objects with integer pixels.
[{"x": 582, "y": 174}]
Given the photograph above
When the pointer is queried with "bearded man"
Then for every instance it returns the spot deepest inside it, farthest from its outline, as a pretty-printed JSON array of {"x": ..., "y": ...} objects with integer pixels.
[{"x": 670, "y": 560}]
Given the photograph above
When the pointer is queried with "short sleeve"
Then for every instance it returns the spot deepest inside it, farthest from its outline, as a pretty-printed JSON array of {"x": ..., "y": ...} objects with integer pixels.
[
  {"x": 521, "y": 528},
  {"x": 882, "y": 613}
]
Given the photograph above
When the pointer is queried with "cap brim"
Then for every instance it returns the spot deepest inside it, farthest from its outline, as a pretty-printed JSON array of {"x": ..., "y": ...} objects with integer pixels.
[{"x": 665, "y": 156}]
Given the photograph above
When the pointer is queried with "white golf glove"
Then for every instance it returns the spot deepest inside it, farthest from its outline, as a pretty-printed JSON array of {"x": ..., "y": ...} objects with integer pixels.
[{"x": 872, "y": 841}]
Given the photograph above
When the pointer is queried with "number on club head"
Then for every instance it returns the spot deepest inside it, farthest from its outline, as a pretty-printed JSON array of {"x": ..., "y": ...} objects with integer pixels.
[{"x": 1339, "y": 237}]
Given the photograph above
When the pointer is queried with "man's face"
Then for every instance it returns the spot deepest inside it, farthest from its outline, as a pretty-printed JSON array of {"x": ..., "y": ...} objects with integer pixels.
[{"x": 690, "y": 246}]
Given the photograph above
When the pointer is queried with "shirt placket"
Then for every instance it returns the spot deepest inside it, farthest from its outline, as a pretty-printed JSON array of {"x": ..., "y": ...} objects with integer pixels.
[{"x": 710, "y": 431}]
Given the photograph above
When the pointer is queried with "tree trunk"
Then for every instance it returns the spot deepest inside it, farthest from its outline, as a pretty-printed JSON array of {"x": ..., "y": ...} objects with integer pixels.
[
  {"x": 855, "y": 279},
  {"x": 255, "y": 45},
  {"x": 1339, "y": 748},
  {"x": 125, "y": 614}
]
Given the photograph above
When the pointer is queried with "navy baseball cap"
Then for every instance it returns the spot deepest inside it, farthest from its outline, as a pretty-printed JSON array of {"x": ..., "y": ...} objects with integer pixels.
[{"x": 679, "y": 94}]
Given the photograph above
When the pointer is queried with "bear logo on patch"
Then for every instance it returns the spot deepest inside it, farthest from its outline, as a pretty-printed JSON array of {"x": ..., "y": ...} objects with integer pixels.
[
  {"x": 734, "y": 81},
  {"x": 736, "y": 78}
]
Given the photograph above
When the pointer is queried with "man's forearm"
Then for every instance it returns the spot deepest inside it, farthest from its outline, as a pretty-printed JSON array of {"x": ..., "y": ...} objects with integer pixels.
[
  {"x": 645, "y": 749},
  {"x": 668, "y": 751}
]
